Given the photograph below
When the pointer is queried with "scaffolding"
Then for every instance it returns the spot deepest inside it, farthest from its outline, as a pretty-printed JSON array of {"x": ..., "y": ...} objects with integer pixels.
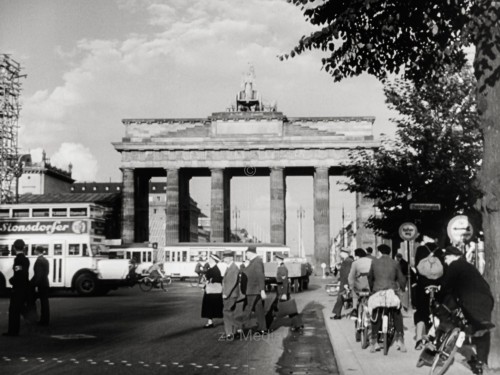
[{"x": 10, "y": 89}]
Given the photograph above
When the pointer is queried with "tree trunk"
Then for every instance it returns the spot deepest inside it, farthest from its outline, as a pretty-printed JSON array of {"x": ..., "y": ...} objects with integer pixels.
[{"x": 489, "y": 110}]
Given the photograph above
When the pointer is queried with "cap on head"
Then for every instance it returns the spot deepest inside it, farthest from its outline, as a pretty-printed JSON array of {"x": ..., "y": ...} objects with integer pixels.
[
  {"x": 399, "y": 256},
  {"x": 252, "y": 249},
  {"x": 19, "y": 245},
  {"x": 215, "y": 257},
  {"x": 359, "y": 252},
  {"x": 452, "y": 250},
  {"x": 384, "y": 249},
  {"x": 39, "y": 249}
]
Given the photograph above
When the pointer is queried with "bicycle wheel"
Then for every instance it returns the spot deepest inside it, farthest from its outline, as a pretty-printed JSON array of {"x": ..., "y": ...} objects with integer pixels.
[
  {"x": 146, "y": 285},
  {"x": 446, "y": 353},
  {"x": 389, "y": 331}
]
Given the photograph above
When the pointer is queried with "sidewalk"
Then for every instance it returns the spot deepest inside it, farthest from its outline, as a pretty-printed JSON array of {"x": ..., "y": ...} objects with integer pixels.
[{"x": 353, "y": 360}]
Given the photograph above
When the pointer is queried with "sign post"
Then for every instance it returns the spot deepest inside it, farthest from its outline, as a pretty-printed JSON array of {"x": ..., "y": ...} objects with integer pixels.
[
  {"x": 460, "y": 230},
  {"x": 408, "y": 232}
]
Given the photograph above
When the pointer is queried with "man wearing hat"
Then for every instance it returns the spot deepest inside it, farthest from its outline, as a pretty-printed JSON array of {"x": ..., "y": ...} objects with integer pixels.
[
  {"x": 282, "y": 277},
  {"x": 345, "y": 268},
  {"x": 20, "y": 288},
  {"x": 255, "y": 289},
  {"x": 230, "y": 295},
  {"x": 462, "y": 285}
]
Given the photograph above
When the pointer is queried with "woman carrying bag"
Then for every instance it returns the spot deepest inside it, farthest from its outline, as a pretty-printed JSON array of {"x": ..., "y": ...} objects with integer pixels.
[{"x": 212, "y": 304}]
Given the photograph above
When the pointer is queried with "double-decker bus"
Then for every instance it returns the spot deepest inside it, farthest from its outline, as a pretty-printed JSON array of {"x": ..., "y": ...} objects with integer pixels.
[{"x": 72, "y": 238}]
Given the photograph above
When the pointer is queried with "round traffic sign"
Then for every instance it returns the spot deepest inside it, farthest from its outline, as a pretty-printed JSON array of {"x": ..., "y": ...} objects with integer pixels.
[
  {"x": 460, "y": 229},
  {"x": 408, "y": 231},
  {"x": 323, "y": 265}
]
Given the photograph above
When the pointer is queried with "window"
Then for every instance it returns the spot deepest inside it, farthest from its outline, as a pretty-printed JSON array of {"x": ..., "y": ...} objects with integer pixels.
[
  {"x": 45, "y": 248},
  {"x": 74, "y": 249},
  {"x": 4, "y": 213},
  {"x": 158, "y": 198},
  {"x": 167, "y": 256},
  {"x": 78, "y": 211},
  {"x": 106, "y": 188},
  {"x": 83, "y": 188},
  {"x": 21, "y": 213},
  {"x": 59, "y": 212},
  {"x": 154, "y": 211},
  {"x": 58, "y": 249},
  {"x": 85, "y": 250},
  {"x": 184, "y": 256},
  {"x": 94, "y": 188},
  {"x": 154, "y": 188},
  {"x": 40, "y": 212},
  {"x": 4, "y": 251}
]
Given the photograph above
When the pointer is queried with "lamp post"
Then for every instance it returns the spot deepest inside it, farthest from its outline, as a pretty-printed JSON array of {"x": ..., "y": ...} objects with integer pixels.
[{"x": 301, "y": 214}]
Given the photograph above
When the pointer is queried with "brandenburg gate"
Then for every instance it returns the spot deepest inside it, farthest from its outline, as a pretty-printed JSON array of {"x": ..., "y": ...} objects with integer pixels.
[{"x": 250, "y": 138}]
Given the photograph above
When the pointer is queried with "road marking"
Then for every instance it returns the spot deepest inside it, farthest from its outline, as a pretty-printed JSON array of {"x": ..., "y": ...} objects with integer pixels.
[{"x": 73, "y": 336}]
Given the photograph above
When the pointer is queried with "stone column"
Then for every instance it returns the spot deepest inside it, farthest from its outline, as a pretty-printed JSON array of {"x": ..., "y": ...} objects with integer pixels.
[
  {"x": 227, "y": 206},
  {"x": 217, "y": 206},
  {"x": 128, "y": 206},
  {"x": 172, "y": 207},
  {"x": 321, "y": 218},
  {"x": 278, "y": 210}
]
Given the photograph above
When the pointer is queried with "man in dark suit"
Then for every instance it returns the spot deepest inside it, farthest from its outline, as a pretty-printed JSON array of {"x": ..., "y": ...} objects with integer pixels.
[
  {"x": 40, "y": 282},
  {"x": 255, "y": 289},
  {"x": 385, "y": 273},
  {"x": 20, "y": 288},
  {"x": 230, "y": 295},
  {"x": 462, "y": 285},
  {"x": 345, "y": 269},
  {"x": 282, "y": 278}
]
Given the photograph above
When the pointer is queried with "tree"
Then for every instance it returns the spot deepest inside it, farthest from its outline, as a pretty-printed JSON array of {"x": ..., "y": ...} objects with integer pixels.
[
  {"x": 421, "y": 38},
  {"x": 434, "y": 159}
]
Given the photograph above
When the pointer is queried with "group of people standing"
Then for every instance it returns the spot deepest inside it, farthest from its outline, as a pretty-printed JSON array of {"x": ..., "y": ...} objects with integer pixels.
[
  {"x": 460, "y": 285},
  {"x": 25, "y": 291},
  {"x": 236, "y": 294}
]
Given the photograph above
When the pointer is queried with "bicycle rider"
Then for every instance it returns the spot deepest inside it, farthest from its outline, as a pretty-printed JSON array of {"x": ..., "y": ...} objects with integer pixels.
[
  {"x": 463, "y": 286},
  {"x": 358, "y": 277},
  {"x": 156, "y": 274},
  {"x": 385, "y": 274}
]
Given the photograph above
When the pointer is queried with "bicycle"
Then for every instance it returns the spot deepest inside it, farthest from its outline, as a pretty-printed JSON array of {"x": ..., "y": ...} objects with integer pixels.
[
  {"x": 423, "y": 358},
  {"x": 388, "y": 329},
  {"x": 147, "y": 283},
  {"x": 362, "y": 320},
  {"x": 450, "y": 339}
]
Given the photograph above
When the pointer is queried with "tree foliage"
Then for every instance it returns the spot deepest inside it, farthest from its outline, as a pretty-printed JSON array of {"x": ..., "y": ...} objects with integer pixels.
[
  {"x": 387, "y": 36},
  {"x": 434, "y": 159}
]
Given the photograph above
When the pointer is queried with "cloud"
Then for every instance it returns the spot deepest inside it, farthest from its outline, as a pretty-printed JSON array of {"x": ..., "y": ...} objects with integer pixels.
[
  {"x": 189, "y": 64},
  {"x": 85, "y": 166}
]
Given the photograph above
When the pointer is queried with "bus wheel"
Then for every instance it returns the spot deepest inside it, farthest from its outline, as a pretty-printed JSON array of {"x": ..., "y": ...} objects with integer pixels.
[{"x": 86, "y": 284}]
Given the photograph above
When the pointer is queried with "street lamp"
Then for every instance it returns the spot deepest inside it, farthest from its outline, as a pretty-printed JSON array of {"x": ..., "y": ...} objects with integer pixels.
[{"x": 301, "y": 214}]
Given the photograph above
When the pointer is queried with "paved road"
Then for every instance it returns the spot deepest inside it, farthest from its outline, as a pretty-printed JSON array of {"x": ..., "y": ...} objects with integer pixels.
[{"x": 132, "y": 332}]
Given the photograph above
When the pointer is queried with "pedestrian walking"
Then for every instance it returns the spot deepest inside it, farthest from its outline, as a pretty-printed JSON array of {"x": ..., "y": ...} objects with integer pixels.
[
  {"x": 255, "y": 290},
  {"x": 344, "y": 270},
  {"x": 199, "y": 270},
  {"x": 230, "y": 295},
  {"x": 20, "y": 288},
  {"x": 282, "y": 279},
  {"x": 212, "y": 304},
  {"x": 40, "y": 286}
]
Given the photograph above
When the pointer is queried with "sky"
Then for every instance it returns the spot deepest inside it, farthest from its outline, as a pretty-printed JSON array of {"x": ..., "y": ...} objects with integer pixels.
[{"x": 92, "y": 63}]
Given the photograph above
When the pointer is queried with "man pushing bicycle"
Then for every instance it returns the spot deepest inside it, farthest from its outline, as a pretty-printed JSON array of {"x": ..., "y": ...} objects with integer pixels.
[{"x": 463, "y": 286}]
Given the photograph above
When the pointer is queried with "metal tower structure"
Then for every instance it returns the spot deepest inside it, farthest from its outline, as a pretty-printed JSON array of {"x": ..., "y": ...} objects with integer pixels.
[{"x": 10, "y": 89}]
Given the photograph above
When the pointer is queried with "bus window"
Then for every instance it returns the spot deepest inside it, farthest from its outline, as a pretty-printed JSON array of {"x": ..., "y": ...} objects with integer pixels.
[
  {"x": 167, "y": 256},
  {"x": 40, "y": 212},
  {"x": 4, "y": 213},
  {"x": 58, "y": 249},
  {"x": 184, "y": 256},
  {"x": 21, "y": 213},
  {"x": 85, "y": 250},
  {"x": 45, "y": 248},
  {"x": 59, "y": 212},
  {"x": 74, "y": 249},
  {"x": 150, "y": 257},
  {"x": 4, "y": 250},
  {"x": 268, "y": 256},
  {"x": 239, "y": 257},
  {"x": 78, "y": 211}
]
